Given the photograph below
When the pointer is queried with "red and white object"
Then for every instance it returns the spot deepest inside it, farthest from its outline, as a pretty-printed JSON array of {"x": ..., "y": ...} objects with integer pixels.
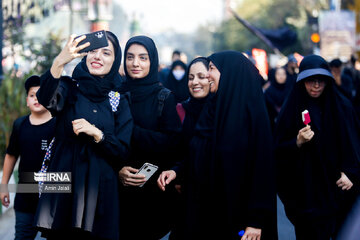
[{"x": 306, "y": 117}]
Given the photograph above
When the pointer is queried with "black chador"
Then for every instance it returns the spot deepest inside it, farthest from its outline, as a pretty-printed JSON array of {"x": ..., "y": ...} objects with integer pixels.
[
  {"x": 231, "y": 179},
  {"x": 307, "y": 175}
]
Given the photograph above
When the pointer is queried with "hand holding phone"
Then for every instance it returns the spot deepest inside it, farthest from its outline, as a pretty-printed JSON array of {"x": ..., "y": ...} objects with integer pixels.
[
  {"x": 96, "y": 39},
  {"x": 148, "y": 170}
]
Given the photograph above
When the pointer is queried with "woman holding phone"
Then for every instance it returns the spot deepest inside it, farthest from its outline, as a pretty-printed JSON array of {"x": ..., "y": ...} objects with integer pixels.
[
  {"x": 92, "y": 138},
  {"x": 155, "y": 134}
]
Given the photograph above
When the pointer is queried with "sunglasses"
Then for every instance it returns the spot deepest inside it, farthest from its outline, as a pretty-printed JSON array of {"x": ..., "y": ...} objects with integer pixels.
[{"x": 315, "y": 81}]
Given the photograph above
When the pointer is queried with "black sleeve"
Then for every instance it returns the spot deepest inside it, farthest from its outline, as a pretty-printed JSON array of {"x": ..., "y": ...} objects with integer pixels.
[
  {"x": 116, "y": 144},
  {"x": 168, "y": 130},
  {"x": 14, "y": 145},
  {"x": 53, "y": 92},
  {"x": 350, "y": 159}
]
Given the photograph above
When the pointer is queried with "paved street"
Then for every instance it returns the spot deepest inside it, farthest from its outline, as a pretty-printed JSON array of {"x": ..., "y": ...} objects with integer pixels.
[{"x": 7, "y": 223}]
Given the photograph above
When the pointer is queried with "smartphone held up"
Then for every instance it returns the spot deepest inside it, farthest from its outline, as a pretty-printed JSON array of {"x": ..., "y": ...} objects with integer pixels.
[{"x": 97, "y": 40}]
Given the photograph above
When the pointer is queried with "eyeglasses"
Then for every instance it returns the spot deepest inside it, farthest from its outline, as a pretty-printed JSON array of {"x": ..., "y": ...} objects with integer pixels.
[{"x": 315, "y": 81}]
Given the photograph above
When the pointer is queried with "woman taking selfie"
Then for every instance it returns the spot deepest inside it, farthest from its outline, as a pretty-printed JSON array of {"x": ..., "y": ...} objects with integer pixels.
[{"x": 92, "y": 139}]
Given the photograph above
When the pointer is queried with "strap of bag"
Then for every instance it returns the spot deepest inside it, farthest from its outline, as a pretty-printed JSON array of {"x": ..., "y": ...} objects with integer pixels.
[{"x": 162, "y": 96}]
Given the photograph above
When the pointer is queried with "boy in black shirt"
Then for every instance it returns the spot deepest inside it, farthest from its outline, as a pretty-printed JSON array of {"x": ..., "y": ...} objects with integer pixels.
[{"x": 29, "y": 139}]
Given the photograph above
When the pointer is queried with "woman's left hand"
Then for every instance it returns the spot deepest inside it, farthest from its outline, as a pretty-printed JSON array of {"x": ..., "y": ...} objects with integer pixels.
[
  {"x": 252, "y": 234},
  {"x": 344, "y": 182},
  {"x": 83, "y": 126}
]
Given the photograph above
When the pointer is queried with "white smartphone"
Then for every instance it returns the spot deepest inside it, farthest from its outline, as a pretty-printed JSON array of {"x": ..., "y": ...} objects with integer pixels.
[{"x": 148, "y": 170}]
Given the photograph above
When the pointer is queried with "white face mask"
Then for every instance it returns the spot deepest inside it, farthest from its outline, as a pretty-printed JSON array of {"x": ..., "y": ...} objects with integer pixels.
[{"x": 178, "y": 74}]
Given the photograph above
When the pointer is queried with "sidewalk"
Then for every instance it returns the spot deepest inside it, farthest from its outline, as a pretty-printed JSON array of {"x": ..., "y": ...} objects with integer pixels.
[{"x": 7, "y": 224}]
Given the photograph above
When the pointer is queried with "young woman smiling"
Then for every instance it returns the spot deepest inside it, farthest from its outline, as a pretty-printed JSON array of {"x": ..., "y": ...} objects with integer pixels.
[{"x": 92, "y": 138}]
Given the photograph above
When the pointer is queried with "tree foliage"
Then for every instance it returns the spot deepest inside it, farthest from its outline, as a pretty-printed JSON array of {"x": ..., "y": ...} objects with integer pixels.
[
  {"x": 37, "y": 53},
  {"x": 269, "y": 14}
]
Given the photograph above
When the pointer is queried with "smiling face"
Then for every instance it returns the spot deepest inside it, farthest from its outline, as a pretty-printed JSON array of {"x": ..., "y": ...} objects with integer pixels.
[
  {"x": 198, "y": 84},
  {"x": 137, "y": 61},
  {"x": 214, "y": 77},
  {"x": 32, "y": 102},
  {"x": 315, "y": 87},
  {"x": 99, "y": 61}
]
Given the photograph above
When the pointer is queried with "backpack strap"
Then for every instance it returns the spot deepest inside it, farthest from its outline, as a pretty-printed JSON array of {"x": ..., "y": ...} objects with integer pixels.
[
  {"x": 181, "y": 112},
  {"x": 45, "y": 164},
  {"x": 162, "y": 96}
]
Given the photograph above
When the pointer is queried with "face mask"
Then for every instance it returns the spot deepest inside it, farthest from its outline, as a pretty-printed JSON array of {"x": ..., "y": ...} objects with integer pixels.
[{"x": 178, "y": 74}]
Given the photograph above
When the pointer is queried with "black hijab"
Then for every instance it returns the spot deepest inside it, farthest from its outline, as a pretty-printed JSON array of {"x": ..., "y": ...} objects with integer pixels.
[
  {"x": 194, "y": 106},
  {"x": 141, "y": 89},
  {"x": 97, "y": 88},
  {"x": 179, "y": 87},
  {"x": 277, "y": 93},
  {"x": 241, "y": 166}
]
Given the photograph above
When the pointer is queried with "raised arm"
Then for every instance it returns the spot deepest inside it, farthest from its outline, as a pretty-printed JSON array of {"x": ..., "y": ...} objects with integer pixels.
[{"x": 67, "y": 54}]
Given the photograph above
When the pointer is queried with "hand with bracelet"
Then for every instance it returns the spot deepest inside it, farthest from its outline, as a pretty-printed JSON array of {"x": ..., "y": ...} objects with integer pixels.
[{"x": 83, "y": 126}]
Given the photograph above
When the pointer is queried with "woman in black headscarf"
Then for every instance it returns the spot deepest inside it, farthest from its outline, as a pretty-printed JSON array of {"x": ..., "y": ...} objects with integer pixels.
[
  {"x": 199, "y": 89},
  {"x": 316, "y": 162},
  {"x": 154, "y": 138},
  {"x": 276, "y": 94},
  {"x": 177, "y": 81},
  {"x": 92, "y": 139},
  {"x": 230, "y": 181}
]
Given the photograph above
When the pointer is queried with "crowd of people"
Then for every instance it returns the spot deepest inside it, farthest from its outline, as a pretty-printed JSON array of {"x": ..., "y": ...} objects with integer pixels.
[{"x": 224, "y": 146}]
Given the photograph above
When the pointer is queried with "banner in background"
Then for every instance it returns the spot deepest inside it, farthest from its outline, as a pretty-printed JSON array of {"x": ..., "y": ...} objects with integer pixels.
[
  {"x": 337, "y": 34},
  {"x": 260, "y": 58}
]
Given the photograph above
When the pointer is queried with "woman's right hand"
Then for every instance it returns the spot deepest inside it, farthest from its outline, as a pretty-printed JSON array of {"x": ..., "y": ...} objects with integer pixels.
[
  {"x": 165, "y": 178},
  {"x": 67, "y": 54},
  {"x": 305, "y": 135},
  {"x": 128, "y": 177}
]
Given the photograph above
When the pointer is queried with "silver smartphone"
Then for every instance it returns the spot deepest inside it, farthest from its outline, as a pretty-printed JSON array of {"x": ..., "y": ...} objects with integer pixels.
[{"x": 148, "y": 170}]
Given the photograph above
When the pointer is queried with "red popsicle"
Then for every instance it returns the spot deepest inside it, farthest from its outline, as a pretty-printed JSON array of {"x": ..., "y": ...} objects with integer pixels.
[{"x": 306, "y": 117}]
